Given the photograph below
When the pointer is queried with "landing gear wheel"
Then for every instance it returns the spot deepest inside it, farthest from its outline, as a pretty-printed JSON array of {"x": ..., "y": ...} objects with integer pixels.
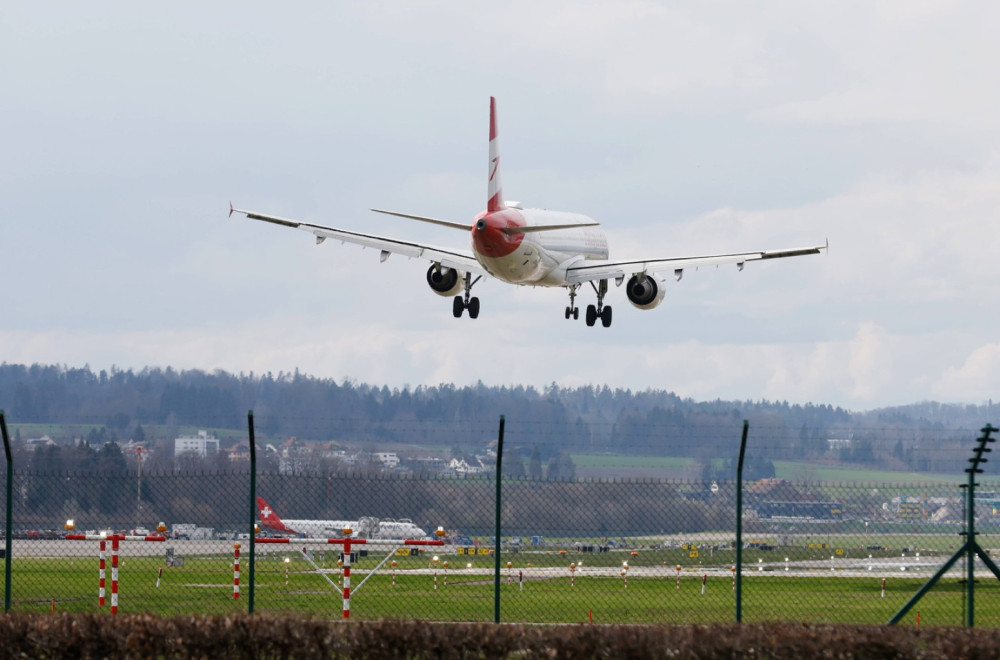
[
  {"x": 457, "y": 306},
  {"x": 591, "y": 315},
  {"x": 572, "y": 311},
  {"x": 473, "y": 308},
  {"x": 606, "y": 317}
]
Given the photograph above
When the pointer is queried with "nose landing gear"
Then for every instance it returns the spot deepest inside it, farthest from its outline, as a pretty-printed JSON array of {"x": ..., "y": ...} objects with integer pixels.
[{"x": 572, "y": 312}]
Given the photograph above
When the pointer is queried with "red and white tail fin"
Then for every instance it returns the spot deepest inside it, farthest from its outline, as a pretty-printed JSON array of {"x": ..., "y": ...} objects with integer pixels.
[
  {"x": 268, "y": 517},
  {"x": 494, "y": 190}
]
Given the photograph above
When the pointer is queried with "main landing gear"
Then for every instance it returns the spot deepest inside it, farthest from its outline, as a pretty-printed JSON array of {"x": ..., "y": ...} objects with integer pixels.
[
  {"x": 593, "y": 313},
  {"x": 462, "y": 303}
]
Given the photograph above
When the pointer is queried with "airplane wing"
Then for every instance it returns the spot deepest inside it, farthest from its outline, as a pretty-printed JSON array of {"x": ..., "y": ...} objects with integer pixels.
[
  {"x": 610, "y": 270},
  {"x": 448, "y": 258}
]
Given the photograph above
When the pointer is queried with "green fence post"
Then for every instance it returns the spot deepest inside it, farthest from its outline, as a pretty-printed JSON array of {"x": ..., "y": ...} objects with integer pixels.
[
  {"x": 497, "y": 529},
  {"x": 253, "y": 508},
  {"x": 970, "y": 548},
  {"x": 10, "y": 498},
  {"x": 739, "y": 524}
]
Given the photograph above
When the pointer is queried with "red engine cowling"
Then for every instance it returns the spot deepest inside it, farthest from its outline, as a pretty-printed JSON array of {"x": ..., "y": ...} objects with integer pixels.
[
  {"x": 444, "y": 281},
  {"x": 646, "y": 291}
]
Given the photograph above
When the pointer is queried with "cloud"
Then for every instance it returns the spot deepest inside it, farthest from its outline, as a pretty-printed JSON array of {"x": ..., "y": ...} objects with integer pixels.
[
  {"x": 976, "y": 379},
  {"x": 686, "y": 130}
]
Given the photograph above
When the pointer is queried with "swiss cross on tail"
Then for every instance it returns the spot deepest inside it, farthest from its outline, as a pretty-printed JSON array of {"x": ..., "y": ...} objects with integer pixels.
[
  {"x": 267, "y": 515},
  {"x": 531, "y": 247}
]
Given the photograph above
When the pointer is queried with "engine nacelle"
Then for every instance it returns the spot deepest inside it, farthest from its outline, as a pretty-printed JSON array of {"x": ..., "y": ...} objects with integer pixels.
[
  {"x": 443, "y": 281},
  {"x": 646, "y": 291}
]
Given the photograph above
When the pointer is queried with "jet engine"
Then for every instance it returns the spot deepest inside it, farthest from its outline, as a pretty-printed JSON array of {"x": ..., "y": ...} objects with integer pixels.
[
  {"x": 444, "y": 281},
  {"x": 646, "y": 291}
]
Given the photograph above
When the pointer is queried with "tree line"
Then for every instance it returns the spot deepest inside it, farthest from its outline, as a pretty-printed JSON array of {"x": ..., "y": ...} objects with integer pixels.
[{"x": 124, "y": 404}]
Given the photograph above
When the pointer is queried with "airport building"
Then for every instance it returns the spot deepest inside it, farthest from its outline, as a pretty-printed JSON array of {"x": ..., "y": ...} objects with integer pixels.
[{"x": 202, "y": 444}]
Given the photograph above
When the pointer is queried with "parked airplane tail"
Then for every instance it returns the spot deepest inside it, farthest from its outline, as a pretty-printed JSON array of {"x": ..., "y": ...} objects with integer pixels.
[
  {"x": 494, "y": 189},
  {"x": 268, "y": 517}
]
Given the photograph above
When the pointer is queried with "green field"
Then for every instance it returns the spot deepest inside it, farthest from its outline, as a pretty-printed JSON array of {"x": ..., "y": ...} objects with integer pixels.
[
  {"x": 789, "y": 470},
  {"x": 796, "y": 471},
  {"x": 624, "y": 461},
  {"x": 204, "y": 586}
]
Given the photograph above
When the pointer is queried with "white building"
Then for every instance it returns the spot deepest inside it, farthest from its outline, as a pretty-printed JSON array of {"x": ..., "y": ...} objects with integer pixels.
[
  {"x": 387, "y": 459},
  {"x": 31, "y": 444},
  {"x": 202, "y": 444}
]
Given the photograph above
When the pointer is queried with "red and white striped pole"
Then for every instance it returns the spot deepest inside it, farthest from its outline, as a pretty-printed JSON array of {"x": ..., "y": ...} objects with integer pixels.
[
  {"x": 100, "y": 588},
  {"x": 678, "y": 577},
  {"x": 346, "y": 542},
  {"x": 236, "y": 571},
  {"x": 883, "y": 587},
  {"x": 704, "y": 579},
  {"x": 159, "y": 576},
  {"x": 114, "y": 574},
  {"x": 347, "y": 578},
  {"x": 115, "y": 539},
  {"x": 394, "y": 573}
]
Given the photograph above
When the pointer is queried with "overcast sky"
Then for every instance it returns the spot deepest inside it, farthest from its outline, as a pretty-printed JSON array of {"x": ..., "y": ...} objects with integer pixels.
[{"x": 684, "y": 128}]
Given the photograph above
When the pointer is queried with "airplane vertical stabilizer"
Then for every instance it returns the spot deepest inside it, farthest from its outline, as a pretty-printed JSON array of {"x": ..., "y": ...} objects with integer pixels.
[{"x": 495, "y": 190}]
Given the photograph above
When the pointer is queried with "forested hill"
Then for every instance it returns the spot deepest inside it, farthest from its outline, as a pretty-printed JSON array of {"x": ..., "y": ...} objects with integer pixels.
[{"x": 576, "y": 419}]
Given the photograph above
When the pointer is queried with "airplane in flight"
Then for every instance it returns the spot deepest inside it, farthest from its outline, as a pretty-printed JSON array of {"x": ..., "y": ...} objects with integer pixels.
[
  {"x": 531, "y": 247},
  {"x": 368, "y": 528}
]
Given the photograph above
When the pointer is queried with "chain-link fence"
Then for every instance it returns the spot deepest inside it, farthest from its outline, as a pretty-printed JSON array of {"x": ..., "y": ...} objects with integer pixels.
[{"x": 632, "y": 551}]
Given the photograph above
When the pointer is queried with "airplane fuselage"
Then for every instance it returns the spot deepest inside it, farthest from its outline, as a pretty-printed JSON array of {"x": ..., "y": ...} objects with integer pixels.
[
  {"x": 318, "y": 528},
  {"x": 534, "y": 258}
]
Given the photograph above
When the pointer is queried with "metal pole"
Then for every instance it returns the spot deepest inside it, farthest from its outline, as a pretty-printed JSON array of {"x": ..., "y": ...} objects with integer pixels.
[
  {"x": 970, "y": 549},
  {"x": 496, "y": 531},
  {"x": 253, "y": 508},
  {"x": 10, "y": 499},
  {"x": 970, "y": 524},
  {"x": 739, "y": 524}
]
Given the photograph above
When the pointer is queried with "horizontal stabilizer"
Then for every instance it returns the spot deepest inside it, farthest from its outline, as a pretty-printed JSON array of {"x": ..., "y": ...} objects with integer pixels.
[
  {"x": 433, "y": 221},
  {"x": 537, "y": 228}
]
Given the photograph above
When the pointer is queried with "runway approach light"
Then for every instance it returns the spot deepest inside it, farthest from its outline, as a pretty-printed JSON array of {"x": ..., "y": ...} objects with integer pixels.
[
  {"x": 70, "y": 525},
  {"x": 162, "y": 527},
  {"x": 347, "y": 530},
  {"x": 439, "y": 531}
]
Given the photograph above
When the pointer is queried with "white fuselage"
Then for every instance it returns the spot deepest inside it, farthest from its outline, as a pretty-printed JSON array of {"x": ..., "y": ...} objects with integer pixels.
[
  {"x": 387, "y": 529},
  {"x": 535, "y": 258}
]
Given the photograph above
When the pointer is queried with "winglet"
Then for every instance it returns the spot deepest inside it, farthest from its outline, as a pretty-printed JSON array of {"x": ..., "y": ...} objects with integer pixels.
[{"x": 231, "y": 208}]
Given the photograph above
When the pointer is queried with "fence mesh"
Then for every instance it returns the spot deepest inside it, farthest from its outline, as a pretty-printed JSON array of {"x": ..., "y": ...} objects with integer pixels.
[{"x": 617, "y": 551}]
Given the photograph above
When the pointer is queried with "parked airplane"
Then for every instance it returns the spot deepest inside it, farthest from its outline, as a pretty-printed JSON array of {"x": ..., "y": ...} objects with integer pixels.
[
  {"x": 368, "y": 528},
  {"x": 531, "y": 247}
]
